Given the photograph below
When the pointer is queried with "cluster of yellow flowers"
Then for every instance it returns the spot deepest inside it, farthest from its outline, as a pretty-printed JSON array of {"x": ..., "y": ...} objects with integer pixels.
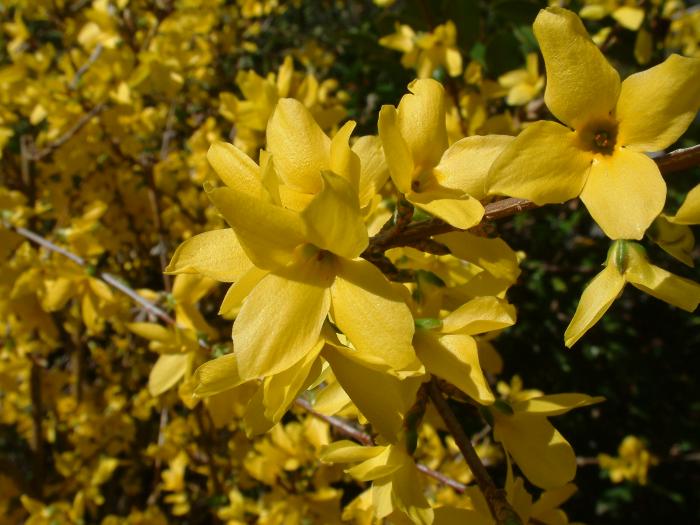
[{"x": 364, "y": 275}]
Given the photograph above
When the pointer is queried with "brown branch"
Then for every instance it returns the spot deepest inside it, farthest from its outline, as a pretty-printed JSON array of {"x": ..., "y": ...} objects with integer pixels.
[
  {"x": 680, "y": 159},
  {"x": 88, "y": 63},
  {"x": 69, "y": 134},
  {"x": 207, "y": 442},
  {"x": 500, "y": 509}
]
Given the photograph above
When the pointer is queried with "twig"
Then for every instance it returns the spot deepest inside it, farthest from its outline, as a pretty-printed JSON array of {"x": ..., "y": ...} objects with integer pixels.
[
  {"x": 106, "y": 277},
  {"x": 208, "y": 446},
  {"x": 339, "y": 424},
  {"x": 500, "y": 509},
  {"x": 679, "y": 159},
  {"x": 88, "y": 63},
  {"x": 60, "y": 141}
]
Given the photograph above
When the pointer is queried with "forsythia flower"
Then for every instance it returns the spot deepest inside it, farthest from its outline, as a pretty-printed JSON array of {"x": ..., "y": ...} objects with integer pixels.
[
  {"x": 627, "y": 263},
  {"x": 427, "y": 51},
  {"x": 444, "y": 181},
  {"x": 523, "y": 84},
  {"x": 632, "y": 464},
  {"x": 598, "y": 153},
  {"x": 628, "y": 13}
]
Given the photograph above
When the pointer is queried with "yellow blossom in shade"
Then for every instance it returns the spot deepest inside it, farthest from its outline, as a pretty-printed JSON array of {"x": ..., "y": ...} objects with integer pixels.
[
  {"x": 446, "y": 181},
  {"x": 542, "y": 453},
  {"x": 396, "y": 482},
  {"x": 426, "y": 52},
  {"x": 598, "y": 153},
  {"x": 627, "y": 263},
  {"x": 627, "y": 13},
  {"x": 689, "y": 212},
  {"x": 632, "y": 463},
  {"x": 523, "y": 84}
]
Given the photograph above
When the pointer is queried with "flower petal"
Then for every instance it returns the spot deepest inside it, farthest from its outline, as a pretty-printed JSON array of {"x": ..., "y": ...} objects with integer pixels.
[
  {"x": 624, "y": 193},
  {"x": 236, "y": 169},
  {"x": 166, "y": 372},
  {"x": 362, "y": 384},
  {"x": 595, "y": 301},
  {"x": 217, "y": 375},
  {"x": 373, "y": 167},
  {"x": 556, "y": 404},
  {"x": 344, "y": 161},
  {"x": 541, "y": 452},
  {"x": 421, "y": 121},
  {"x": 581, "y": 84},
  {"x": 689, "y": 212},
  {"x": 657, "y": 282},
  {"x": 280, "y": 321},
  {"x": 544, "y": 164},
  {"x": 462, "y": 213},
  {"x": 454, "y": 358},
  {"x": 216, "y": 254},
  {"x": 482, "y": 314},
  {"x": 299, "y": 147},
  {"x": 268, "y": 233},
  {"x": 398, "y": 156},
  {"x": 493, "y": 255},
  {"x": 465, "y": 165},
  {"x": 657, "y": 105},
  {"x": 372, "y": 314},
  {"x": 333, "y": 218}
]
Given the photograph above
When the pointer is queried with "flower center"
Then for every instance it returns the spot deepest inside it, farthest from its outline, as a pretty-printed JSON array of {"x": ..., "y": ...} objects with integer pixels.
[{"x": 599, "y": 136}]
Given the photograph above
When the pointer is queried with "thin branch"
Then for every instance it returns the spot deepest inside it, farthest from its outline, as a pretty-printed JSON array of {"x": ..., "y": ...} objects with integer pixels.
[
  {"x": 88, "y": 63},
  {"x": 106, "y": 277},
  {"x": 500, "y": 509},
  {"x": 72, "y": 131},
  {"x": 680, "y": 159}
]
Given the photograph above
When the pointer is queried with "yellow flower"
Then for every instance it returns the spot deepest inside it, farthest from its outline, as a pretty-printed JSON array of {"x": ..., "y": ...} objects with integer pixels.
[
  {"x": 541, "y": 452},
  {"x": 598, "y": 154},
  {"x": 444, "y": 181},
  {"x": 632, "y": 463},
  {"x": 627, "y": 13},
  {"x": 627, "y": 263},
  {"x": 295, "y": 265},
  {"x": 523, "y": 84},
  {"x": 426, "y": 52}
]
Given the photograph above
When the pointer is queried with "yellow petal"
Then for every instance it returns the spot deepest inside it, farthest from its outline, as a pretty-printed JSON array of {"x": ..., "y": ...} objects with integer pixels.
[
  {"x": 493, "y": 255},
  {"x": 675, "y": 290},
  {"x": 240, "y": 289},
  {"x": 299, "y": 147},
  {"x": 372, "y": 314},
  {"x": 217, "y": 375},
  {"x": 216, "y": 254},
  {"x": 280, "y": 321},
  {"x": 552, "y": 499},
  {"x": 581, "y": 84},
  {"x": 675, "y": 239},
  {"x": 166, "y": 372},
  {"x": 624, "y": 193},
  {"x": 459, "y": 516},
  {"x": 57, "y": 292},
  {"x": 595, "y": 301},
  {"x": 482, "y": 314},
  {"x": 373, "y": 167},
  {"x": 152, "y": 332},
  {"x": 333, "y": 218},
  {"x": 379, "y": 466},
  {"x": 398, "y": 156},
  {"x": 268, "y": 233},
  {"x": 461, "y": 213},
  {"x": 544, "y": 164},
  {"x": 421, "y": 121},
  {"x": 344, "y": 161},
  {"x": 465, "y": 165},
  {"x": 629, "y": 17},
  {"x": 657, "y": 105},
  {"x": 454, "y": 358},
  {"x": 555, "y": 405},
  {"x": 344, "y": 451},
  {"x": 236, "y": 169},
  {"x": 689, "y": 212},
  {"x": 280, "y": 390},
  {"x": 362, "y": 384},
  {"x": 542, "y": 453}
]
